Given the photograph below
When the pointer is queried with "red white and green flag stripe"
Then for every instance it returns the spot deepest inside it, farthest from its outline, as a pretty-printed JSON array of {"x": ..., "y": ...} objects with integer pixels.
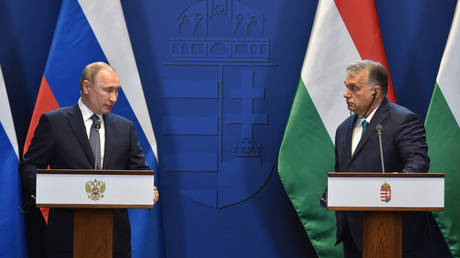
[
  {"x": 443, "y": 135},
  {"x": 344, "y": 31}
]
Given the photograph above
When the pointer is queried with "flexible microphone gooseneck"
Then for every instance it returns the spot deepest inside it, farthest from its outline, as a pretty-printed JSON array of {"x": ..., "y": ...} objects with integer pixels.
[
  {"x": 97, "y": 126},
  {"x": 379, "y": 129}
]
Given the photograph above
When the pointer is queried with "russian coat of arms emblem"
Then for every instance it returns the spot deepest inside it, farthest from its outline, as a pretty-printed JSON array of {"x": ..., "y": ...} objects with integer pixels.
[
  {"x": 385, "y": 192},
  {"x": 95, "y": 189}
]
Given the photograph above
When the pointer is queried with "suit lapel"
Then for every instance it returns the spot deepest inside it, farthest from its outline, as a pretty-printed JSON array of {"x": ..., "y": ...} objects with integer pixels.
[
  {"x": 108, "y": 139},
  {"x": 79, "y": 130},
  {"x": 348, "y": 137},
  {"x": 378, "y": 118}
]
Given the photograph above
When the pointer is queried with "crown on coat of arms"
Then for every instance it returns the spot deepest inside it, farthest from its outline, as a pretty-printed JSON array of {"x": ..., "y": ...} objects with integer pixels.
[{"x": 95, "y": 189}]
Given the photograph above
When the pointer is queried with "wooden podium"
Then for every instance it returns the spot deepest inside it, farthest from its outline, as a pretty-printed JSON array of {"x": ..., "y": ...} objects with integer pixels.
[
  {"x": 383, "y": 197},
  {"x": 94, "y": 194}
]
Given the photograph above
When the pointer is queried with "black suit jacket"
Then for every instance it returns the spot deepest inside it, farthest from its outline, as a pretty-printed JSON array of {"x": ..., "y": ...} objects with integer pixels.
[
  {"x": 61, "y": 142},
  {"x": 405, "y": 150}
]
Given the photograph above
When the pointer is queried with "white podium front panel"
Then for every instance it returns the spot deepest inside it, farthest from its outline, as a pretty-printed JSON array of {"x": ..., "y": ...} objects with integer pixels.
[
  {"x": 102, "y": 190},
  {"x": 390, "y": 191}
]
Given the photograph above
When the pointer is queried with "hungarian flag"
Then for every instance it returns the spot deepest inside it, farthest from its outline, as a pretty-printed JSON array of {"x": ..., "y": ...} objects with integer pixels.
[
  {"x": 89, "y": 31},
  {"x": 443, "y": 135},
  {"x": 12, "y": 238},
  {"x": 344, "y": 31}
]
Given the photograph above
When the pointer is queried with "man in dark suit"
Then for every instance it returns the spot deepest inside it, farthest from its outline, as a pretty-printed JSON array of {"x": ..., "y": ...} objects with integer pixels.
[
  {"x": 62, "y": 141},
  {"x": 357, "y": 150}
]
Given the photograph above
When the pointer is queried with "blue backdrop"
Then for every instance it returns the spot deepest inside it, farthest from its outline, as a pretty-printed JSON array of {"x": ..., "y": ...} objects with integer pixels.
[{"x": 219, "y": 77}]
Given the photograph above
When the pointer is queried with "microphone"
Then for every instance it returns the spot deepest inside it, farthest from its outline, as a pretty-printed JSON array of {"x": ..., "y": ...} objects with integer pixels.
[
  {"x": 97, "y": 126},
  {"x": 379, "y": 129}
]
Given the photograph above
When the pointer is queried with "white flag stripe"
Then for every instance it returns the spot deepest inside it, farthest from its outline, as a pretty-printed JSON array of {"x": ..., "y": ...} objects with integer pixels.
[
  {"x": 5, "y": 115},
  {"x": 108, "y": 24},
  {"x": 330, "y": 50},
  {"x": 449, "y": 71}
]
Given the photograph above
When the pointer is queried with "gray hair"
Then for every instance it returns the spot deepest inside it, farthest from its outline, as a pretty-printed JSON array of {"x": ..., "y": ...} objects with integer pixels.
[
  {"x": 376, "y": 73},
  {"x": 91, "y": 70}
]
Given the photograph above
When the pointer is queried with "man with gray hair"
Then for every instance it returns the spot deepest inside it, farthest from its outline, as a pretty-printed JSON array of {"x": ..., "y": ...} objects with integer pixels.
[
  {"x": 357, "y": 150},
  {"x": 66, "y": 139}
]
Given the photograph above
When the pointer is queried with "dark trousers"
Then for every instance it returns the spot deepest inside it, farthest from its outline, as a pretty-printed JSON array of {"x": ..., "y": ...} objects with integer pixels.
[{"x": 350, "y": 249}]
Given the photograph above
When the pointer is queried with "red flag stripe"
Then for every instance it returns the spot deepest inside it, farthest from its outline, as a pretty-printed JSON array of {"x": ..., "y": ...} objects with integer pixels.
[
  {"x": 45, "y": 102},
  {"x": 360, "y": 18}
]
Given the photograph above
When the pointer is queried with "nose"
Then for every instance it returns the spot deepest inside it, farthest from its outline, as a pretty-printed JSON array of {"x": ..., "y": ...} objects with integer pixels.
[
  {"x": 113, "y": 96},
  {"x": 346, "y": 94}
]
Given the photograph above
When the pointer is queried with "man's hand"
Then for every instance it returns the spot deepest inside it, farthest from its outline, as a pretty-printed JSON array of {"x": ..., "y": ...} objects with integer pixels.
[
  {"x": 323, "y": 199},
  {"x": 156, "y": 195}
]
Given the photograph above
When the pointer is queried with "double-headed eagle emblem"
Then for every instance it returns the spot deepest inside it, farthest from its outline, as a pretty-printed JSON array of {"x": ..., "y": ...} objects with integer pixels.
[{"x": 95, "y": 189}]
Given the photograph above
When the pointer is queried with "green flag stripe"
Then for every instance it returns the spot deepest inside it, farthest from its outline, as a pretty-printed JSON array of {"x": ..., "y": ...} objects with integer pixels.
[
  {"x": 443, "y": 138},
  {"x": 306, "y": 155}
]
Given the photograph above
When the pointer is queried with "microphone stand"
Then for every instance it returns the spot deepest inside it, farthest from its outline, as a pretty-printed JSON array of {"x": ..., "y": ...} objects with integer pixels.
[{"x": 379, "y": 129}]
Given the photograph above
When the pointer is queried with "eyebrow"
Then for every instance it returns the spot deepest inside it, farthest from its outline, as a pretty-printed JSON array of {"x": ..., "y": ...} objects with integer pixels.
[{"x": 350, "y": 84}]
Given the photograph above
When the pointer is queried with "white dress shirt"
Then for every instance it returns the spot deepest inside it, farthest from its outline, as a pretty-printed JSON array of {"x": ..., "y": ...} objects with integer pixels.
[
  {"x": 86, "y": 114},
  {"x": 358, "y": 130}
]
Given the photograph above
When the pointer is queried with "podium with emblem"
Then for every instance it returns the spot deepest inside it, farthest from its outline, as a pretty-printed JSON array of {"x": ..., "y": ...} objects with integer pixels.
[
  {"x": 383, "y": 197},
  {"x": 93, "y": 194}
]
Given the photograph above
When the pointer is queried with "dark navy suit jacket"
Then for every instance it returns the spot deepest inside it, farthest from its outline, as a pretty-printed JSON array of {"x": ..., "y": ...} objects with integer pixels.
[
  {"x": 405, "y": 150},
  {"x": 61, "y": 142}
]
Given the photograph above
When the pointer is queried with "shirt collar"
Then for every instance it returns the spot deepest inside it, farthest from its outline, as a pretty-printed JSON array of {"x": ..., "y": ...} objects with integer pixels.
[
  {"x": 369, "y": 117},
  {"x": 85, "y": 111}
]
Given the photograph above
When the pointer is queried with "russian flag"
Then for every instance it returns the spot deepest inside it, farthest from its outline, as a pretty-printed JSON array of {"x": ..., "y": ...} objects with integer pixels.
[
  {"x": 12, "y": 237},
  {"x": 89, "y": 31}
]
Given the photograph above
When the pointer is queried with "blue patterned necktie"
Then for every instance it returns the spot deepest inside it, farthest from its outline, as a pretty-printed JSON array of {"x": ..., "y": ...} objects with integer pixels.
[
  {"x": 95, "y": 141},
  {"x": 364, "y": 124}
]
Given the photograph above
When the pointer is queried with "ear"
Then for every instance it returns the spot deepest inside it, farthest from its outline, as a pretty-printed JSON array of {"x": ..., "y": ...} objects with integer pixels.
[
  {"x": 377, "y": 91},
  {"x": 85, "y": 86}
]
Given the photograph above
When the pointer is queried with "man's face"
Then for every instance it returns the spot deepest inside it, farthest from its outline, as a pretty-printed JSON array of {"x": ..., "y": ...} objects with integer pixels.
[
  {"x": 102, "y": 94},
  {"x": 357, "y": 93}
]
